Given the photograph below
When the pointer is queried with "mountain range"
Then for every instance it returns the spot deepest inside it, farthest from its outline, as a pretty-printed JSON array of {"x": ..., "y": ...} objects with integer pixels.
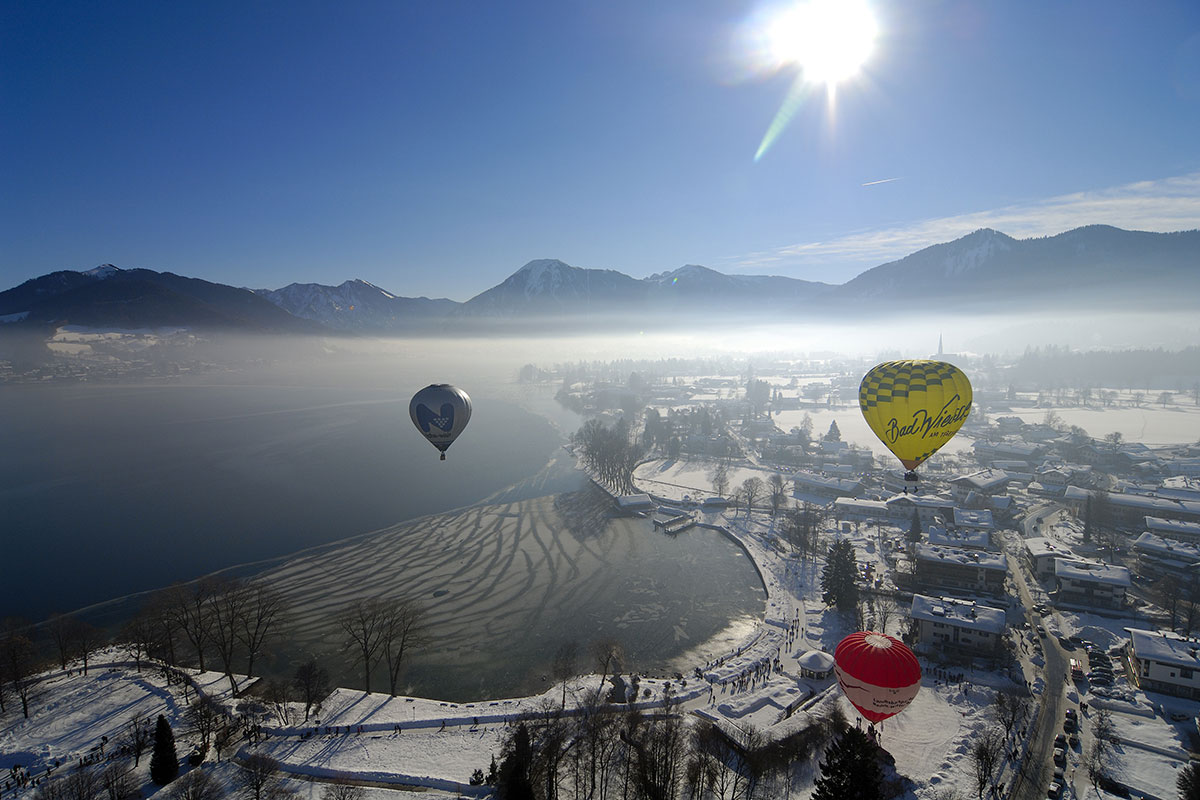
[{"x": 1095, "y": 266}]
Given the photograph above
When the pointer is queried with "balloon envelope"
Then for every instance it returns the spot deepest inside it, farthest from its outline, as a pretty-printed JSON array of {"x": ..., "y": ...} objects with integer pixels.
[
  {"x": 915, "y": 407},
  {"x": 440, "y": 412},
  {"x": 878, "y": 674}
]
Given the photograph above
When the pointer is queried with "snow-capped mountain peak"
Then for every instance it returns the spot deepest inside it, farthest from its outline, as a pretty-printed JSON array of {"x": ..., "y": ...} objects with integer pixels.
[{"x": 103, "y": 271}]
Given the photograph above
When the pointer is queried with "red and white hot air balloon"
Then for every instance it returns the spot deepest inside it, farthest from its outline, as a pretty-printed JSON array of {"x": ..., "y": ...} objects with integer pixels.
[{"x": 878, "y": 674}]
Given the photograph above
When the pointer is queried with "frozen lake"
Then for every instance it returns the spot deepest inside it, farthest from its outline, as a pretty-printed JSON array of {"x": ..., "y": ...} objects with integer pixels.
[{"x": 505, "y": 585}]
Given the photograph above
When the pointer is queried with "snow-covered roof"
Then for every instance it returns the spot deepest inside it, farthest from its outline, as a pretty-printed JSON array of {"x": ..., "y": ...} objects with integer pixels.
[
  {"x": 816, "y": 661},
  {"x": 1040, "y": 547},
  {"x": 960, "y": 613},
  {"x": 632, "y": 501},
  {"x": 919, "y": 501},
  {"x": 1158, "y": 505},
  {"x": 1166, "y": 648},
  {"x": 967, "y": 558},
  {"x": 983, "y": 480},
  {"x": 1173, "y": 528},
  {"x": 862, "y": 506},
  {"x": 973, "y": 518},
  {"x": 972, "y": 538},
  {"x": 1081, "y": 571},
  {"x": 1168, "y": 549},
  {"x": 806, "y": 478}
]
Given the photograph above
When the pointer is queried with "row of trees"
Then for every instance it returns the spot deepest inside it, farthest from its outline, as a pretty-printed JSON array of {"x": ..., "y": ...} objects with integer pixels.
[
  {"x": 603, "y": 752},
  {"x": 232, "y": 619},
  {"x": 609, "y": 453}
]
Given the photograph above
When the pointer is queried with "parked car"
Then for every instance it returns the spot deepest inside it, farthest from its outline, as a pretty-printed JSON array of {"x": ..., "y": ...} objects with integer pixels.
[
  {"x": 1060, "y": 740},
  {"x": 1060, "y": 756},
  {"x": 1055, "y": 791},
  {"x": 1072, "y": 714},
  {"x": 1100, "y": 680},
  {"x": 1070, "y": 726}
]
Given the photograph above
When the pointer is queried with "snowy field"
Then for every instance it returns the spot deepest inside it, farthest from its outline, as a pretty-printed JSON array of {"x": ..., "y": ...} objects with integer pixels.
[{"x": 1151, "y": 424}]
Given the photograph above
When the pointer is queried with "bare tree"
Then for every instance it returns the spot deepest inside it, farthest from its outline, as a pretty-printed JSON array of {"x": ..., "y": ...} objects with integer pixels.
[
  {"x": 227, "y": 601},
  {"x": 197, "y": 785},
  {"x": 191, "y": 613},
  {"x": 1011, "y": 710},
  {"x": 1168, "y": 592},
  {"x": 117, "y": 782},
  {"x": 342, "y": 789},
  {"x": 720, "y": 479},
  {"x": 63, "y": 633},
  {"x": 279, "y": 695},
  {"x": 563, "y": 666},
  {"x": 138, "y": 734},
  {"x": 364, "y": 624},
  {"x": 205, "y": 716},
  {"x": 137, "y": 638},
  {"x": 262, "y": 614},
  {"x": 18, "y": 666},
  {"x": 986, "y": 755},
  {"x": 259, "y": 776},
  {"x": 608, "y": 654},
  {"x": 311, "y": 681},
  {"x": 777, "y": 486},
  {"x": 404, "y": 629},
  {"x": 752, "y": 489},
  {"x": 885, "y": 611}
]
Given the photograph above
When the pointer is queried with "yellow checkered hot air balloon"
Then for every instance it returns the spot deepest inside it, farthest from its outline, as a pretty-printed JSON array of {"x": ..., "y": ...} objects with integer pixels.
[{"x": 915, "y": 407}]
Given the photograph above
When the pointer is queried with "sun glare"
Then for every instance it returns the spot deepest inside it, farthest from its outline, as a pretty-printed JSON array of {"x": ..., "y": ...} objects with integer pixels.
[{"x": 829, "y": 40}]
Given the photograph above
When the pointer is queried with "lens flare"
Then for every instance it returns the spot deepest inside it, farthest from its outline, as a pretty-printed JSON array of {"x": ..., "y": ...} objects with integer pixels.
[{"x": 825, "y": 41}]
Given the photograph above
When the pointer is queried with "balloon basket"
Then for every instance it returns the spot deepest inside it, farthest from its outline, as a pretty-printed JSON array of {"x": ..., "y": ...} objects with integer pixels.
[{"x": 443, "y": 458}]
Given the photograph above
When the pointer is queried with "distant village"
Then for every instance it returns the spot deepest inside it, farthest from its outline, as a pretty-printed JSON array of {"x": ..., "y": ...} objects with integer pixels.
[{"x": 1096, "y": 525}]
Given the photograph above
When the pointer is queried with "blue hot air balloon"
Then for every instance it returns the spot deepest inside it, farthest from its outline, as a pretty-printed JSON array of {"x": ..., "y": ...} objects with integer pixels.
[{"x": 440, "y": 412}]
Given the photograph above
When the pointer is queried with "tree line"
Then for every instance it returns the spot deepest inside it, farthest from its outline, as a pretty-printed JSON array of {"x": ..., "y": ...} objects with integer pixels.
[{"x": 608, "y": 752}]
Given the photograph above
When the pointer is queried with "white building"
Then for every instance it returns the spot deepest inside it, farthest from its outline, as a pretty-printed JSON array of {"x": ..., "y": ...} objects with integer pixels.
[
  {"x": 1170, "y": 529},
  {"x": 965, "y": 538},
  {"x": 957, "y": 624},
  {"x": 984, "y": 482},
  {"x": 1131, "y": 509},
  {"x": 1042, "y": 553},
  {"x": 1164, "y": 662},
  {"x": 1090, "y": 584},
  {"x": 1159, "y": 556},
  {"x": 957, "y": 568}
]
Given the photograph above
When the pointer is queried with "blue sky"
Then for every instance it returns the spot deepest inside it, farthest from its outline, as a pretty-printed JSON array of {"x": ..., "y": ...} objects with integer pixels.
[{"x": 434, "y": 147}]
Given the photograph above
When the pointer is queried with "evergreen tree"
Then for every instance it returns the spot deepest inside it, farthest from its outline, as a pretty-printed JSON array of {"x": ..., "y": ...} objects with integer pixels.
[
  {"x": 1188, "y": 782},
  {"x": 834, "y": 434},
  {"x": 838, "y": 580},
  {"x": 164, "y": 761},
  {"x": 512, "y": 782},
  {"x": 850, "y": 770}
]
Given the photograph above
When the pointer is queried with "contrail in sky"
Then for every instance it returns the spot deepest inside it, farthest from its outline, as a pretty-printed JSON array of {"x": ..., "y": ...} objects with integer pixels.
[{"x": 875, "y": 183}]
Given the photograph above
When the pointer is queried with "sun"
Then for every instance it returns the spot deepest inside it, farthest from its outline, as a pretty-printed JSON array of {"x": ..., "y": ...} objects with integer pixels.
[{"x": 829, "y": 40}]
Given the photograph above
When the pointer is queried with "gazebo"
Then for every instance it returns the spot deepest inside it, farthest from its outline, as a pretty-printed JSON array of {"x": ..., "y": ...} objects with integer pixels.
[{"x": 816, "y": 664}]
